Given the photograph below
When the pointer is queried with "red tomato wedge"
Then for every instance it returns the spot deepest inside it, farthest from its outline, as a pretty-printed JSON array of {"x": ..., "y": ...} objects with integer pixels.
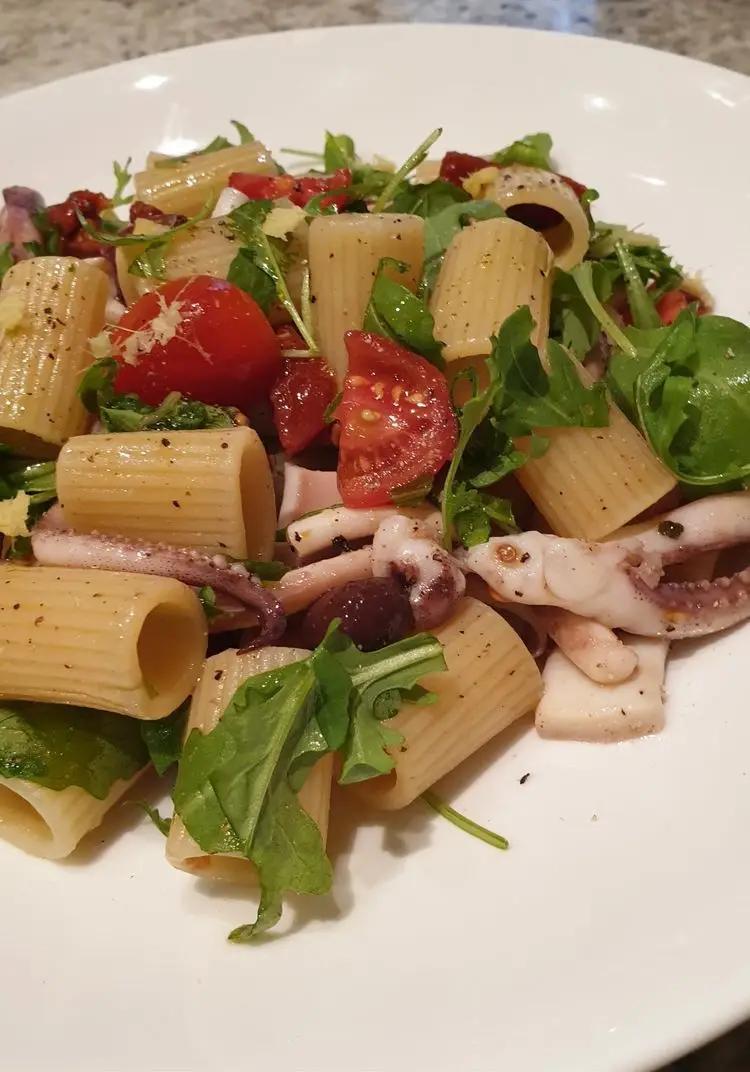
[
  {"x": 299, "y": 190},
  {"x": 578, "y": 188},
  {"x": 201, "y": 336},
  {"x": 301, "y": 395},
  {"x": 455, "y": 167},
  {"x": 397, "y": 422},
  {"x": 670, "y": 305}
]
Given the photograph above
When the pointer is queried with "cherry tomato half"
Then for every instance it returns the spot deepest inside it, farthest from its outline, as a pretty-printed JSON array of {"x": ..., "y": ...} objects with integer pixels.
[
  {"x": 397, "y": 423},
  {"x": 201, "y": 336},
  {"x": 670, "y": 305},
  {"x": 301, "y": 395},
  {"x": 299, "y": 190}
]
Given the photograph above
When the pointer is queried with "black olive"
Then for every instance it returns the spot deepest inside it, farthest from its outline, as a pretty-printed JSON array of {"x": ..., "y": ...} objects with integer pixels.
[{"x": 373, "y": 613}]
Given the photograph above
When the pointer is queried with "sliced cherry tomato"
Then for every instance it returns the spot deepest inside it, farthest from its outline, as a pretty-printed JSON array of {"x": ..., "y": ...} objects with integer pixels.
[
  {"x": 301, "y": 396},
  {"x": 455, "y": 167},
  {"x": 397, "y": 422},
  {"x": 670, "y": 305},
  {"x": 201, "y": 336},
  {"x": 299, "y": 190}
]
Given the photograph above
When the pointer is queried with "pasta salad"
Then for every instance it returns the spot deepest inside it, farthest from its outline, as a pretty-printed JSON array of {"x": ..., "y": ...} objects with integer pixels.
[{"x": 333, "y": 471}]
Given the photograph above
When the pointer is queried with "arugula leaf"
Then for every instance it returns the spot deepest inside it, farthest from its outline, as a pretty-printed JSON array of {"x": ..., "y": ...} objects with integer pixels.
[
  {"x": 395, "y": 313},
  {"x": 266, "y": 571},
  {"x": 163, "y": 738},
  {"x": 533, "y": 150},
  {"x": 247, "y": 221},
  {"x": 468, "y": 826},
  {"x": 440, "y": 229},
  {"x": 6, "y": 258},
  {"x": 641, "y": 304},
  {"x": 122, "y": 179},
  {"x": 520, "y": 397},
  {"x": 207, "y": 598},
  {"x": 245, "y": 273},
  {"x": 161, "y": 822},
  {"x": 236, "y": 785},
  {"x": 427, "y": 199},
  {"x": 338, "y": 152},
  {"x": 585, "y": 280},
  {"x": 412, "y": 161},
  {"x": 692, "y": 399},
  {"x": 472, "y": 513},
  {"x": 57, "y": 746}
]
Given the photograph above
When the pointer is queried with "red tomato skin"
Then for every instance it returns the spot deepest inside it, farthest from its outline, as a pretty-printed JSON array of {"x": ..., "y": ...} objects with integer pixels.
[
  {"x": 299, "y": 190},
  {"x": 396, "y": 421},
  {"x": 224, "y": 350},
  {"x": 455, "y": 167},
  {"x": 300, "y": 397},
  {"x": 670, "y": 305},
  {"x": 577, "y": 187}
]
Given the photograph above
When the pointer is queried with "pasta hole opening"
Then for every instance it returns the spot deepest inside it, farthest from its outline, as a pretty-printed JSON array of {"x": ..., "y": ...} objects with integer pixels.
[
  {"x": 557, "y": 231},
  {"x": 167, "y": 644},
  {"x": 17, "y": 813}
]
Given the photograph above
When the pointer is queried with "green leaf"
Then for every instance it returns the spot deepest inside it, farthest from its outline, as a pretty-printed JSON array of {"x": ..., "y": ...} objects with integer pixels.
[
  {"x": 236, "y": 785},
  {"x": 57, "y": 746},
  {"x": 395, "y": 313},
  {"x": 339, "y": 152},
  {"x": 219, "y": 142},
  {"x": 247, "y": 221},
  {"x": 641, "y": 304},
  {"x": 427, "y": 199},
  {"x": 244, "y": 134},
  {"x": 463, "y": 822},
  {"x": 6, "y": 258},
  {"x": 163, "y": 738},
  {"x": 122, "y": 180},
  {"x": 126, "y": 413},
  {"x": 440, "y": 229},
  {"x": 146, "y": 242},
  {"x": 412, "y": 161},
  {"x": 584, "y": 277},
  {"x": 245, "y": 273},
  {"x": 97, "y": 382},
  {"x": 161, "y": 822},
  {"x": 207, "y": 598},
  {"x": 472, "y": 514},
  {"x": 693, "y": 401},
  {"x": 266, "y": 571},
  {"x": 533, "y": 150}
]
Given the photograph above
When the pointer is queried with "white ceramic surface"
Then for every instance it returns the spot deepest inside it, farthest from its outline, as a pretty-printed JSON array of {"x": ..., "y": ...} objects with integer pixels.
[{"x": 616, "y": 932}]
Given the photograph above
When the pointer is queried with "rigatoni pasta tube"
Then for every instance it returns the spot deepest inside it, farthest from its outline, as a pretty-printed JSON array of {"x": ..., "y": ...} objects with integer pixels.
[
  {"x": 344, "y": 254},
  {"x": 50, "y": 822},
  {"x": 490, "y": 270},
  {"x": 57, "y": 305},
  {"x": 592, "y": 481},
  {"x": 210, "y": 489},
  {"x": 185, "y": 188},
  {"x": 113, "y": 641},
  {"x": 542, "y": 200},
  {"x": 491, "y": 681},
  {"x": 221, "y": 677}
]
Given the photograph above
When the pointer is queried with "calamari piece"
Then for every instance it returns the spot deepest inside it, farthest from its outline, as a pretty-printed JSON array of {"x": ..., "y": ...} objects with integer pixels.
[
  {"x": 336, "y": 527},
  {"x": 573, "y": 707},
  {"x": 306, "y": 490},
  {"x": 17, "y": 225},
  {"x": 301, "y": 587},
  {"x": 619, "y": 583},
  {"x": 593, "y": 648},
  {"x": 54, "y": 545},
  {"x": 433, "y": 577}
]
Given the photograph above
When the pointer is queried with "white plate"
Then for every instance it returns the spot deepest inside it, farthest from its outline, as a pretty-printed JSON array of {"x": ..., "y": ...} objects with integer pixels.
[{"x": 616, "y": 933}]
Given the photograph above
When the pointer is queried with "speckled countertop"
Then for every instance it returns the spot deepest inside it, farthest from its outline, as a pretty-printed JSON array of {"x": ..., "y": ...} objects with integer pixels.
[{"x": 45, "y": 39}]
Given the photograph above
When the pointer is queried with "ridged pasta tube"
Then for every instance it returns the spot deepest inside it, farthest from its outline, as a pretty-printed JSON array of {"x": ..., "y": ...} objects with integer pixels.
[
  {"x": 592, "y": 481},
  {"x": 50, "y": 822},
  {"x": 206, "y": 248},
  {"x": 112, "y": 641},
  {"x": 185, "y": 188},
  {"x": 222, "y": 676},
  {"x": 492, "y": 680},
  {"x": 210, "y": 489},
  {"x": 58, "y": 304},
  {"x": 344, "y": 254},
  {"x": 542, "y": 200},
  {"x": 490, "y": 270}
]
